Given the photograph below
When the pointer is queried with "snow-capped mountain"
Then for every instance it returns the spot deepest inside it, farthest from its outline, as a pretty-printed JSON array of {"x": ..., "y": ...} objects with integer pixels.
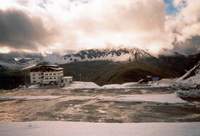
[
  {"x": 17, "y": 61},
  {"x": 116, "y": 55}
]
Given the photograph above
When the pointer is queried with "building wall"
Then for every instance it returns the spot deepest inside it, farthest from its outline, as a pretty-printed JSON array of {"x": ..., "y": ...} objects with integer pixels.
[
  {"x": 52, "y": 77},
  {"x": 46, "y": 77},
  {"x": 35, "y": 77}
]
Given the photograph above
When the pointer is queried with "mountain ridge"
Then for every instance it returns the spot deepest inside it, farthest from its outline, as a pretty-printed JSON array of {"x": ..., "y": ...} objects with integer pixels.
[
  {"x": 100, "y": 67},
  {"x": 116, "y": 55}
]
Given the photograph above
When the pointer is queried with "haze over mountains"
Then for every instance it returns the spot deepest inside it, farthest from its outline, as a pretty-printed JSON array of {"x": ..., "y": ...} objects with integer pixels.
[
  {"x": 21, "y": 60},
  {"x": 102, "y": 66}
]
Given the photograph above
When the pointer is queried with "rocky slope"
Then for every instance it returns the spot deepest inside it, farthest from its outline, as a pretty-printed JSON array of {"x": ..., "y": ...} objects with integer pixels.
[{"x": 116, "y": 55}]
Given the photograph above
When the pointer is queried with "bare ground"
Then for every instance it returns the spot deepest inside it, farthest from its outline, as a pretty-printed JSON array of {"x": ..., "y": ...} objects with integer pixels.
[{"x": 85, "y": 106}]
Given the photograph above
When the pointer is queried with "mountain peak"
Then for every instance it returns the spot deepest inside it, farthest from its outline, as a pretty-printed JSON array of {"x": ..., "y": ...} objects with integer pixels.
[{"x": 116, "y": 55}]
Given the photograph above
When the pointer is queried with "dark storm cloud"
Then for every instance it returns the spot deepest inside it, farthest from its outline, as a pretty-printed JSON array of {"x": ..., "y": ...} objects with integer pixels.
[
  {"x": 20, "y": 31},
  {"x": 189, "y": 46}
]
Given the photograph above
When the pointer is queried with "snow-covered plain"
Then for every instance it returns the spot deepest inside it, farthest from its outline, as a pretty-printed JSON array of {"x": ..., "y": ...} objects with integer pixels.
[
  {"x": 95, "y": 129},
  {"x": 81, "y": 85},
  {"x": 128, "y": 85},
  {"x": 161, "y": 98},
  {"x": 92, "y": 85}
]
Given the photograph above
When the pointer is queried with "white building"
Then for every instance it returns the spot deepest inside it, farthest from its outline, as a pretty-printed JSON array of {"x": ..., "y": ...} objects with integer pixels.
[{"x": 48, "y": 74}]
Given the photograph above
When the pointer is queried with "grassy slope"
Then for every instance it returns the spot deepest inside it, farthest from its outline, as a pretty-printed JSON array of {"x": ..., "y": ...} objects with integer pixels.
[{"x": 104, "y": 72}]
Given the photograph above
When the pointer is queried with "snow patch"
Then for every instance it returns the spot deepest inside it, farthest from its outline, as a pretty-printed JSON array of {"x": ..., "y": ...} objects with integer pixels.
[
  {"x": 163, "y": 83},
  {"x": 28, "y": 97},
  {"x": 161, "y": 98},
  {"x": 98, "y": 129},
  {"x": 82, "y": 85},
  {"x": 191, "y": 77}
]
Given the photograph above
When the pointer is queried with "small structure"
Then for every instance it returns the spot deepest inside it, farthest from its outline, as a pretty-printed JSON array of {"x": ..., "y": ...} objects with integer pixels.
[
  {"x": 67, "y": 80},
  {"x": 149, "y": 78},
  {"x": 48, "y": 75}
]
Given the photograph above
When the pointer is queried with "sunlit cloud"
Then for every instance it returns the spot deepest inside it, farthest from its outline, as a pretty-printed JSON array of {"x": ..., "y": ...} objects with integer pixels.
[
  {"x": 4, "y": 50},
  {"x": 84, "y": 24}
]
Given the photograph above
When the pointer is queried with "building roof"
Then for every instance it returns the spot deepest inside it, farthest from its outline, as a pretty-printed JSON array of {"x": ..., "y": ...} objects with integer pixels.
[{"x": 46, "y": 68}]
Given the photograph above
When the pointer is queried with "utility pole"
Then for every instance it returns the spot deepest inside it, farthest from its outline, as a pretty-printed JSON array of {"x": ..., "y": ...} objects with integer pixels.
[
  {"x": 80, "y": 76},
  {"x": 25, "y": 77}
]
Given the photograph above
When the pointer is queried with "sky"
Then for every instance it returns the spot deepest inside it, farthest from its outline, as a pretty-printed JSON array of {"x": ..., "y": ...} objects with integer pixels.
[{"x": 49, "y": 26}]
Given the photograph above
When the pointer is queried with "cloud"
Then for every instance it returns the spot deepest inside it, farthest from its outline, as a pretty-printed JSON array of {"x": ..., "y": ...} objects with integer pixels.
[
  {"x": 56, "y": 26},
  {"x": 185, "y": 26},
  {"x": 190, "y": 19},
  {"x": 103, "y": 23},
  {"x": 132, "y": 16},
  {"x": 130, "y": 23},
  {"x": 179, "y": 3},
  {"x": 22, "y": 31},
  {"x": 189, "y": 46}
]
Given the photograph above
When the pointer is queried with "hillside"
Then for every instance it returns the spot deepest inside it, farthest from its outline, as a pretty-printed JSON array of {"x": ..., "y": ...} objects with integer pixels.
[
  {"x": 179, "y": 62},
  {"x": 10, "y": 79},
  {"x": 106, "y": 72}
]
